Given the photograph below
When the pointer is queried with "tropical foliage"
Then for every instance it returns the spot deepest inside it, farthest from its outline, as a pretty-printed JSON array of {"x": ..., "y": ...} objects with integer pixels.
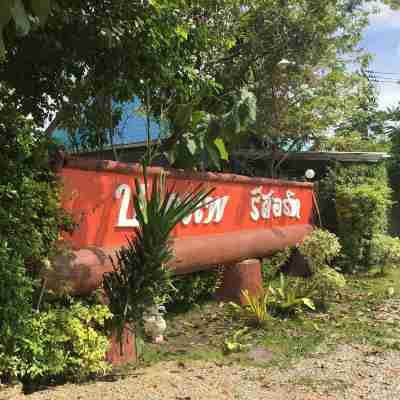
[
  {"x": 68, "y": 342},
  {"x": 273, "y": 264},
  {"x": 141, "y": 276},
  {"x": 319, "y": 249},
  {"x": 364, "y": 208},
  {"x": 385, "y": 252},
  {"x": 193, "y": 289},
  {"x": 207, "y": 71},
  {"x": 24, "y": 15},
  {"x": 291, "y": 296},
  {"x": 217, "y": 75}
]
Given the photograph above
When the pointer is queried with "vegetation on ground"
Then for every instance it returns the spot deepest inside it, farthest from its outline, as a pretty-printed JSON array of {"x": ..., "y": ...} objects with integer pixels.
[
  {"x": 141, "y": 278},
  {"x": 356, "y": 316},
  {"x": 216, "y": 76}
]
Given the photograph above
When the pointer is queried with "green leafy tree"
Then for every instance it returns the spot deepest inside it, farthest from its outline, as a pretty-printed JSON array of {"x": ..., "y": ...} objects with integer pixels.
[
  {"x": 293, "y": 57},
  {"x": 161, "y": 51},
  {"x": 395, "y": 4},
  {"x": 25, "y": 15}
]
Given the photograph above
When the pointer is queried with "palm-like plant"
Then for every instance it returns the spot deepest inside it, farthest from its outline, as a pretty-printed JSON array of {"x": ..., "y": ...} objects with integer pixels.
[
  {"x": 140, "y": 274},
  {"x": 257, "y": 306}
]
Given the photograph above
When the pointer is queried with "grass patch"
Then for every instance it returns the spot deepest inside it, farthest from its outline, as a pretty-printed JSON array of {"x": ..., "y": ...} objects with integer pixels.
[{"x": 355, "y": 317}]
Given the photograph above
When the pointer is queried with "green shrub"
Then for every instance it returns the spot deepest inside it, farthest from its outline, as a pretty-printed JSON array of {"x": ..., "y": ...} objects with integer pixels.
[
  {"x": 271, "y": 266},
  {"x": 319, "y": 249},
  {"x": 30, "y": 221},
  {"x": 256, "y": 308},
  {"x": 324, "y": 285},
  {"x": 362, "y": 213},
  {"x": 354, "y": 202},
  {"x": 344, "y": 175},
  {"x": 193, "y": 288},
  {"x": 385, "y": 251},
  {"x": 286, "y": 297},
  {"x": 68, "y": 341}
]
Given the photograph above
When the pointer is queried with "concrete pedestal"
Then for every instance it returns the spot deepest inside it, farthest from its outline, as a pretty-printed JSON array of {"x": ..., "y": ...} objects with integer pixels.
[
  {"x": 119, "y": 355},
  {"x": 245, "y": 275}
]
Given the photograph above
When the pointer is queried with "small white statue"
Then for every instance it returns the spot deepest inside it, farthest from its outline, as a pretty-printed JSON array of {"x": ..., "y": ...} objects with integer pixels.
[{"x": 154, "y": 323}]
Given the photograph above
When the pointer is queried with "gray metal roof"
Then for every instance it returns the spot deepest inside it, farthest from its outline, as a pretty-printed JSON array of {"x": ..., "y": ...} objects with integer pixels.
[{"x": 350, "y": 156}]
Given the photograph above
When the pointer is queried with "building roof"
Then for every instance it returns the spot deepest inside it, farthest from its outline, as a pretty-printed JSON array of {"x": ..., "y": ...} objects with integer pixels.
[{"x": 340, "y": 156}]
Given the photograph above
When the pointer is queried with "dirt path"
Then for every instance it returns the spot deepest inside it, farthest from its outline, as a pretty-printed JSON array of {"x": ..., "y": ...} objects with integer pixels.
[
  {"x": 350, "y": 372},
  {"x": 329, "y": 369}
]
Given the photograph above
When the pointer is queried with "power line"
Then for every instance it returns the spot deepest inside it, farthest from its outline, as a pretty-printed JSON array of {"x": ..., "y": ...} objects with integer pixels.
[
  {"x": 378, "y": 78},
  {"x": 382, "y": 78},
  {"x": 385, "y": 82},
  {"x": 369, "y": 71}
]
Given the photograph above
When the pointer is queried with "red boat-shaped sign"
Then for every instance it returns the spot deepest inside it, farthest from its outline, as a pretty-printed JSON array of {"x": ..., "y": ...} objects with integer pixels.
[{"x": 242, "y": 218}]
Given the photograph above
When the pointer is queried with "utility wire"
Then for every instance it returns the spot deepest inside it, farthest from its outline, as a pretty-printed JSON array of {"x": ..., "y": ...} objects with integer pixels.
[
  {"x": 381, "y": 78},
  {"x": 370, "y": 71}
]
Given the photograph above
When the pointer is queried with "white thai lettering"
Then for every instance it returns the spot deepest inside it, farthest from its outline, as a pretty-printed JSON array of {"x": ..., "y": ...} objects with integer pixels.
[
  {"x": 277, "y": 207},
  {"x": 254, "y": 201},
  {"x": 291, "y": 205},
  {"x": 216, "y": 209},
  {"x": 198, "y": 216},
  {"x": 268, "y": 205},
  {"x": 209, "y": 205},
  {"x": 124, "y": 191}
]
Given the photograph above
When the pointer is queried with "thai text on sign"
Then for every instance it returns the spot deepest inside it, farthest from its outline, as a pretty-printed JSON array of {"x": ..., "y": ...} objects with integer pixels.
[
  {"x": 264, "y": 204},
  {"x": 99, "y": 195}
]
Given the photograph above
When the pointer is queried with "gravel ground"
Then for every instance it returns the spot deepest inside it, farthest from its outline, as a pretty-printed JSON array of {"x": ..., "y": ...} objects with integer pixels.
[{"x": 350, "y": 372}]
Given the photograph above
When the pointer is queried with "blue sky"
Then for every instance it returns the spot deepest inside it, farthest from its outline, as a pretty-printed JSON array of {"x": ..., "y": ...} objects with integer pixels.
[{"x": 382, "y": 40}]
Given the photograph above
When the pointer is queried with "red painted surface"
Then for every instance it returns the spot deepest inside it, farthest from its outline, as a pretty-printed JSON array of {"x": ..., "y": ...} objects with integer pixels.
[
  {"x": 245, "y": 275},
  {"x": 82, "y": 270},
  {"x": 90, "y": 195},
  {"x": 124, "y": 351}
]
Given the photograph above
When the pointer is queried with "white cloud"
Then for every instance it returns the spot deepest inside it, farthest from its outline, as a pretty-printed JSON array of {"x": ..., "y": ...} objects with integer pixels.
[{"x": 389, "y": 96}]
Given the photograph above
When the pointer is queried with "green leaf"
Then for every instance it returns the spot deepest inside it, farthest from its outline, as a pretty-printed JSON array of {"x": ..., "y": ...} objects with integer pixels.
[
  {"x": 183, "y": 115},
  {"x": 213, "y": 154},
  {"x": 309, "y": 303},
  {"x": 182, "y": 32},
  {"x": 197, "y": 117},
  {"x": 2, "y": 46},
  {"x": 5, "y": 17},
  {"x": 220, "y": 145},
  {"x": 232, "y": 124},
  {"x": 191, "y": 145},
  {"x": 230, "y": 43},
  {"x": 5, "y": 12},
  {"x": 41, "y": 9},
  {"x": 21, "y": 19}
]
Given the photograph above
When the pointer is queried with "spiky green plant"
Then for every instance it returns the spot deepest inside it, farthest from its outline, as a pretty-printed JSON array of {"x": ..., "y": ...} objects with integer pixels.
[
  {"x": 257, "y": 306},
  {"x": 290, "y": 296},
  {"x": 140, "y": 274}
]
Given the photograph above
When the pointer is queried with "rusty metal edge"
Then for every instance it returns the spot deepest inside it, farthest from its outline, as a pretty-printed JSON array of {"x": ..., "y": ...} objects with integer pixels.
[
  {"x": 82, "y": 270},
  {"x": 132, "y": 168}
]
